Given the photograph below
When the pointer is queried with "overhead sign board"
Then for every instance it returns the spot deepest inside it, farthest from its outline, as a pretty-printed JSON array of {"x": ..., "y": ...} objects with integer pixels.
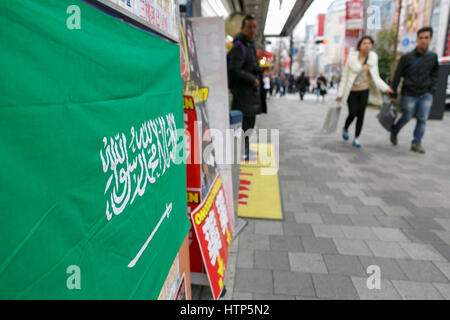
[{"x": 159, "y": 15}]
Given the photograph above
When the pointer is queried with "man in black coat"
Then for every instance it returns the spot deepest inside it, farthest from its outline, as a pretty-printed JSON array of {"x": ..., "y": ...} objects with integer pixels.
[
  {"x": 419, "y": 70},
  {"x": 246, "y": 75}
]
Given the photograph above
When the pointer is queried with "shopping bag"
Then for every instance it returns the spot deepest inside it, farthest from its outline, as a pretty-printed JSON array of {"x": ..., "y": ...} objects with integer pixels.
[
  {"x": 332, "y": 119},
  {"x": 387, "y": 114}
]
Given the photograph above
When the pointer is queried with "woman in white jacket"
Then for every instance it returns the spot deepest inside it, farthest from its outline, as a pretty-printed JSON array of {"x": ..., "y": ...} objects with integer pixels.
[{"x": 360, "y": 84}]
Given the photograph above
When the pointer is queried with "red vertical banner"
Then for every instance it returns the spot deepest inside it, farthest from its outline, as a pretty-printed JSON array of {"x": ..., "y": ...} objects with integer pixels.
[
  {"x": 213, "y": 230},
  {"x": 192, "y": 142},
  {"x": 353, "y": 24}
]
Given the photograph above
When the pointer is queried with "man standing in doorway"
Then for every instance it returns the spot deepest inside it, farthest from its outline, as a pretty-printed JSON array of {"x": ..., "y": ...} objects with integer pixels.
[
  {"x": 419, "y": 70},
  {"x": 246, "y": 74}
]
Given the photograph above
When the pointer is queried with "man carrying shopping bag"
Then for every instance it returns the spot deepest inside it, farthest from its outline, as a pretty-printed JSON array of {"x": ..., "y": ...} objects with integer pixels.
[{"x": 419, "y": 70}]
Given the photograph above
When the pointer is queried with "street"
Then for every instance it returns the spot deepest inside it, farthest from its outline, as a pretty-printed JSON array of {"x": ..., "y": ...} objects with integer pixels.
[{"x": 346, "y": 209}]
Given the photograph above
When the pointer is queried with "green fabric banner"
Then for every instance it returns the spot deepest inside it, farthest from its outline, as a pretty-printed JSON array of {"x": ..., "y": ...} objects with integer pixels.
[{"x": 92, "y": 189}]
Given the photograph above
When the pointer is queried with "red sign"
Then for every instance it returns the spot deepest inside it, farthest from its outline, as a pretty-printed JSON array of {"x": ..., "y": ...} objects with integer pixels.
[
  {"x": 354, "y": 9},
  {"x": 321, "y": 25},
  {"x": 193, "y": 175},
  {"x": 212, "y": 227}
]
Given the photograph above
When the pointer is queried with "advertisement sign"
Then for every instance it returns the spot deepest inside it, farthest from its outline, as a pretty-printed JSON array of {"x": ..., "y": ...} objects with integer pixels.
[
  {"x": 353, "y": 25},
  {"x": 201, "y": 163},
  {"x": 211, "y": 53},
  {"x": 95, "y": 204},
  {"x": 212, "y": 227},
  {"x": 159, "y": 15},
  {"x": 407, "y": 42},
  {"x": 192, "y": 138}
]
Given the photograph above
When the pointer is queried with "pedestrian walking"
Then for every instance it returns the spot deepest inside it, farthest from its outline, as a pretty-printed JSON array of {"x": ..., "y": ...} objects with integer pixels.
[
  {"x": 278, "y": 85},
  {"x": 272, "y": 84},
  {"x": 360, "y": 83},
  {"x": 419, "y": 70},
  {"x": 302, "y": 85},
  {"x": 266, "y": 87},
  {"x": 245, "y": 72},
  {"x": 321, "y": 87},
  {"x": 285, "y": 84}
]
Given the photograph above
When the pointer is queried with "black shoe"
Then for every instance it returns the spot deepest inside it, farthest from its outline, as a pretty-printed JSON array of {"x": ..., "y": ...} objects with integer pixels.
[
  {"x": 393, "y": 139},
  {"x": 417, "y": 148}
]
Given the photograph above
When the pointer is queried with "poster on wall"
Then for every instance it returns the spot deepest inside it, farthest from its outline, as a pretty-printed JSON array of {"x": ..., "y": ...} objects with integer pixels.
[
  {"x": 96, "y": 201},
  {"x": 211, "y": 53},
  {"x": 201, "y": 161},
  {"x": 159, "y": 15}
]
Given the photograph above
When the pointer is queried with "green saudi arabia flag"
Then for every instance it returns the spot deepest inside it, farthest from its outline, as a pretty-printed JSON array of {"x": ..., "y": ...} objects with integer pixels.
[{"x": 92, "y": 192}]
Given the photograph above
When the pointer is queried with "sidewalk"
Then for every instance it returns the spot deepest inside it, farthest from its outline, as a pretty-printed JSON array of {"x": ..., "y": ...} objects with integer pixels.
[{"x": 346, "y": 209}]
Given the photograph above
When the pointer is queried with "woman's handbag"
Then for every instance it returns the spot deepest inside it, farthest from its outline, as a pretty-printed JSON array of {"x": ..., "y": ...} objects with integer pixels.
[
  {"x": 331, "y": 120},
  {"x": 387, "y": 114}
]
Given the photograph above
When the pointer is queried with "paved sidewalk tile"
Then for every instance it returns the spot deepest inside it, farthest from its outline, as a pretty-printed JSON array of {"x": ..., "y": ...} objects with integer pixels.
[
  {"x": 342, "y": 209},
  {"x": 352, "y": 247},
  {"x": 424, "y": 271},
  {"x": 369, "y": 210},
  {"x": 344, "y": 265},
  {"x": 254, "y": 241},
  {"x": 387, "y": 249},
  {"x": 297, "y": 229},
  {"x": 308, "y": 218},
  {"x": 389, "y": 267},
  {"x": 393, "y": 222},
  {"x": 419, "y": 251},
  {"x": 318, "y": 245},
  {"x": 242, "y": 295},
  {"x": 444, "y": 289},
  {"x": 424, "y": 223},
  {"x": 272, "y": 297},
  {"x": 271, "y": 260},
  {"x": 246, "y": 259},
  {"x": 386, "y": 291},
  {"x": 358, "y": 233},
  {"x": 254, "y": 281},
  {"x": 410, "y": 290},
  {"x": 334, "y": 287},
  {"x": 328, "y": 231},
  {"x": 337, "y": 219},
  {"x": 445, "y": 223},
  {"x": 390, "y": 234},
  {"x": 365, "y": 221},
  {"x": 293, "y": 283},
  {"x": 269, "y": 227},
  {"x": 307, "y": 262},
  {"x": 396, "y": 211},
  {"x": 444, "y": 267},
  {"x": 285, "y": 243}
]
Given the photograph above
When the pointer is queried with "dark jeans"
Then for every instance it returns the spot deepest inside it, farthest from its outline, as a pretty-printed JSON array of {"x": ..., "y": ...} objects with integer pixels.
[
  {"x": 248, "y": 123},
  {"x": 357, "y": 103},
  {"x": 302, "y": 93},
  {"x": 414, "y": 105}
]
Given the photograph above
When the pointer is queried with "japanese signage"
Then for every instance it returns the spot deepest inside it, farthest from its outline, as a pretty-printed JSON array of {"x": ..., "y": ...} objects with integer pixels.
[
  {"x": 353, "y": 25},
  {"x": 95, "y": 203},
  {"x": 212, "y": 227},
  {"x": 159, "y": 15}
]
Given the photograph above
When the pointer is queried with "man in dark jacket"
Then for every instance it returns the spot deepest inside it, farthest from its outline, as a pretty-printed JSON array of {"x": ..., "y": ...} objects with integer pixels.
[
  {"x": 302, "y": 85},
  {"x": 246, "y": 75},
  {"x": 419, "y": 70}
]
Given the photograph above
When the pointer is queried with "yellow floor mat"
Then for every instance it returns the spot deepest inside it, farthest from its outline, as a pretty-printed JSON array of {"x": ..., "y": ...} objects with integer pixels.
[{"x": 259, "y": 190}]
